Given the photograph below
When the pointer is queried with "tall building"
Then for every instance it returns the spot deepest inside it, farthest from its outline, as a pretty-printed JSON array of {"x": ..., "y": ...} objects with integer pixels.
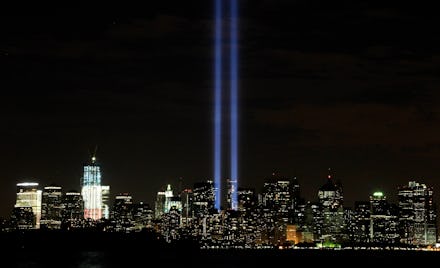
[
  {"x": 28, "y": 195},
  {"x": 170, "y": 223},
  {"x": 51, "y": 207},
  {"x": 92, "y": 191},
  {"x": 168, "y": 197},
  {"x": 122, "y": 213},
  {"x": 73, "y": 212},
  {"x": 383, "y": 220},
  {"x": 330, "y": 198},
  {"x": 277, "y": 196},
  {"x": 186, "y": 197},
  {"x": 142, "y": 216},
  {"x": 159, "y": 205},
  {"x": 417, "y": 214},
  {"x": 359, "y": 225},
  {"x": 203, "y": 198},
  {"x": 105, "y": 189}
]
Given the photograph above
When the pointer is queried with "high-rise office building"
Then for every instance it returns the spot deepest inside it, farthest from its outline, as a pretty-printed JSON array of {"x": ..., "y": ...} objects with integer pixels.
[
  {"x": 383, "y": 220},
  {"x": 73, "y": 212},
  {"x": 358, "y": 226},
  {"x": 105, "y": 190},
  {"x": 277, "y": 196},
  {"x": 186, "y": 197},
  {"x": 122, "y": 213},
  {"x": 92, "y": 191},
  {"x": 142, "y": 216},
  {"x": 203, "y": 198},
  {"x": 159, "y": 205},
  {"x": 28, "y": 195},
  {"x": 51, "y": 207},
  {"x": 169, "y": 195},
  {"x": 330, "y": 198},
  {"x": 417, "y": 214}
]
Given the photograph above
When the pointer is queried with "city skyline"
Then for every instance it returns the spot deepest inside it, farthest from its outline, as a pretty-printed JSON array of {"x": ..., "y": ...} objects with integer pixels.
[
  {"x": 351, "y": 86},
  {"x": 276, "y": 217},
  {"x": 177, "y": 188}
]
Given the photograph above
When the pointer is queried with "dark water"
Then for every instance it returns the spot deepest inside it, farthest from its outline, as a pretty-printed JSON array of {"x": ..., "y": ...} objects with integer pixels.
[
  {"x": 177, "y": 258},
  {"x": 100, "y": 249}
]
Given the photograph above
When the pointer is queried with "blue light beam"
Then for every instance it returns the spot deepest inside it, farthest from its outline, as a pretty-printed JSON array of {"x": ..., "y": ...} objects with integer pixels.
[
  {"x": 234, "y": 102},
  {"x": 218, "y": 102}
]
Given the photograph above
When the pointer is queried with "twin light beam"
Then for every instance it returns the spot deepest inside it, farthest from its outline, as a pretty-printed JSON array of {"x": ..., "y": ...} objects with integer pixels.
[{"x": 233, "y": 102}]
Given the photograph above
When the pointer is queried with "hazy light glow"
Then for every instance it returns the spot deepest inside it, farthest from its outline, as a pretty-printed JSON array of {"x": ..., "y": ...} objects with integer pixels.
[
  {"x": 218, "y": 101},
  {"x": 234, "y": 102}
]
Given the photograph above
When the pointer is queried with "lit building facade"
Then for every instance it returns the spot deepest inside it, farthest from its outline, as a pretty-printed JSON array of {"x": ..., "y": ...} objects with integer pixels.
[
  {"x": 22, "y": 218},
  {"x": 73, "y": 212},
  {"x": 169, "y": 199},
  {"x": 159, "y": 205},
  {"x": 105, "y": 189},
  {"x": 358, "y": 225},
  {"x": 203, "y": 198},
  {"x": 122, "y": 213},
  {"x": 186, "y": 197},
  {"x": 417, "y": 214},
  {"x": 142, "y": 216},
  {"x": 278, "y": 196},
  {"x": 330, "y": 198},
  {"x": 247, "y": 199},
  {"x": 52, "y": 207},
  {"x": 383, "y": 220},
  {"x": 92, "y": 191},
  {"x": 28, "y": 195}
]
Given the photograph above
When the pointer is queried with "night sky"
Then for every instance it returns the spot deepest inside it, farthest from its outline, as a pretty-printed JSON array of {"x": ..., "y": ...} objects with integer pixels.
[{"x": 348, "y": 85}]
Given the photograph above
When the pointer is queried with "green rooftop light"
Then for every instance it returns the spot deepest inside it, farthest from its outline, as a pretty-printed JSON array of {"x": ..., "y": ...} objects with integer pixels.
[{"x": 378, "y": 194}]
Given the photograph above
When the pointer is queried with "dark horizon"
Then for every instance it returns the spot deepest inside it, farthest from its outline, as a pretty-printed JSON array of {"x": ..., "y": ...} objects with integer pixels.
[{"x": 351, "y": 86}]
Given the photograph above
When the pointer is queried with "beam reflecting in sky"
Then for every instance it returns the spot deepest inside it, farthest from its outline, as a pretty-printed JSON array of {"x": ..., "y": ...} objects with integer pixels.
[
  {"x": 234, "y": 101},
  {"x": 218, "y": 102}
]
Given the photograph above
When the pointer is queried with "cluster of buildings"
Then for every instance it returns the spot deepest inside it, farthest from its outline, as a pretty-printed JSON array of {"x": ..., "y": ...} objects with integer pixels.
[{"x": 276, "y": 216}]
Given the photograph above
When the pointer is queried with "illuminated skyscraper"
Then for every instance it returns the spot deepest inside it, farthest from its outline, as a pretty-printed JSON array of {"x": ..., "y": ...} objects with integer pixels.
[
  {"x": 92, "y": 191},
  {"x": 383, "y": 220},
  {"x": 278, "y": 197},
  {"x": 330, "y": 198},
  {"x": 142, "y": 215},
  {"x": 186, "y": 197},
  {"x": 122, "y": 213},
  {"x": 28, "y": 195},
  {"x": 51, "y": 208},
  {"x": 359, "y": 224},
  {"x": 417, "y": 219},
  {"x": 159, "y": 205},
  {"x": 203, "y": 198},
  {"x": 105, "y": 189},
  {"x": 168, "y": 197},
  {"x": 73, "y": 212}
]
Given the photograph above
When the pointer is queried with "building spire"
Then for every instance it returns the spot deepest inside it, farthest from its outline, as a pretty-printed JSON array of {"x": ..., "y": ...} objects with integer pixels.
[
  {"x": 93, "y": 157},
  {"x": 329, "y": 176}
]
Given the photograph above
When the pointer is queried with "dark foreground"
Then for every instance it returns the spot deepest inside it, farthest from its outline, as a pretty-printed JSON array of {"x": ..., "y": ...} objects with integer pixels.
[{"x": 94, "y": 250}]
